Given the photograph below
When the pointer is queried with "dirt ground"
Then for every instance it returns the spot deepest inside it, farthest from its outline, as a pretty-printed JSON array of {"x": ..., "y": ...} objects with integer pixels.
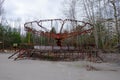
[{"x": 56, "y": 70}]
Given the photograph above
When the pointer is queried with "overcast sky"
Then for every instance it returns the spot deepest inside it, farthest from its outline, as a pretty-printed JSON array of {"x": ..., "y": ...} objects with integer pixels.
[{"x": 32, "y": 9}]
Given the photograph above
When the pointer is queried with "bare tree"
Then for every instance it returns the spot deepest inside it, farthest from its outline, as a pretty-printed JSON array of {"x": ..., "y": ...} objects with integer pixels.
[
  {"x": 96, "y": 11},
  {"x": 101, "y": 13},
  {"x": 69, "y": 10},
  {"x": 113, "y": 2},
  {"x": 89, "y": 7},
  {"x": 1, "y": 9}
]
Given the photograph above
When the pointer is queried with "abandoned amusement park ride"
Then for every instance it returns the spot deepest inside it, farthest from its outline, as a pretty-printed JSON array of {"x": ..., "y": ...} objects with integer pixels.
[{"x": 58, "y": 40}]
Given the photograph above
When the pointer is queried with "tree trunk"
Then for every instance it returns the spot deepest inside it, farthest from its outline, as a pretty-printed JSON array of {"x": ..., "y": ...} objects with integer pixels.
[{"x": 116, "y": 20}]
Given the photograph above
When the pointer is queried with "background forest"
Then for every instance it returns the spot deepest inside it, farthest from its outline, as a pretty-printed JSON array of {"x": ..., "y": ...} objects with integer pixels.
[{"x": 103, "y": 14}]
